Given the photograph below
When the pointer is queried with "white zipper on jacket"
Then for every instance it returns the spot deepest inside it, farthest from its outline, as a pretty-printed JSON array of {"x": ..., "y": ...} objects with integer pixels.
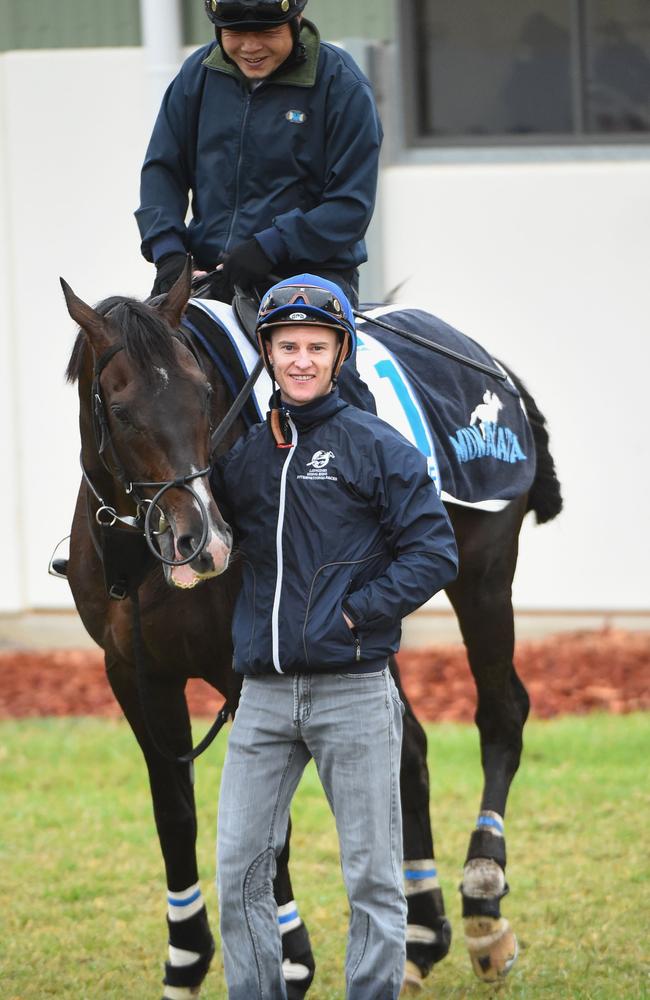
[{"x": 275, "y": 617}]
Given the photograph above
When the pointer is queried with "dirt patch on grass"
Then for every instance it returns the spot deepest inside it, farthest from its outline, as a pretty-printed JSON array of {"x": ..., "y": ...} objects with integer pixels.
[{"x": 571, "y": 673}]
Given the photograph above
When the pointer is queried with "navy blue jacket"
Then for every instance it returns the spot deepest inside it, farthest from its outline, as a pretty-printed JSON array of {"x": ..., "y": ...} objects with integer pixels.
[
  {"x": 346, "y": 519},
  {"x": 293, "y": 161}
]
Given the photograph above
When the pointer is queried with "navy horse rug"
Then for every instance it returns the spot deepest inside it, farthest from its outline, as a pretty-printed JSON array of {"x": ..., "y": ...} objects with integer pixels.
[{"x": 471, "y": 427}]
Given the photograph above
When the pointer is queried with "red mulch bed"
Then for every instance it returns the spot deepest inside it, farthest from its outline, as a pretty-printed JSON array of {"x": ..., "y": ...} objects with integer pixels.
[{"x": 571, "y": 673}]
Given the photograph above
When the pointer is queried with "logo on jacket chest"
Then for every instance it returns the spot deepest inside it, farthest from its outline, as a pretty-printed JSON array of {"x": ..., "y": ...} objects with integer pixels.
[{"x": 317, "y": 467}]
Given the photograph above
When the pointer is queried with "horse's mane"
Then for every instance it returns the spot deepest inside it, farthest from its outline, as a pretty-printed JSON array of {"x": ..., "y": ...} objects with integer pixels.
[{"x": 147, "y": 339}]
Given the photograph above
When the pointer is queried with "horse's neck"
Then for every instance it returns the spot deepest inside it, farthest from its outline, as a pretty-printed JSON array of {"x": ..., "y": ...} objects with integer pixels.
[{"x": 222, "y": 397}]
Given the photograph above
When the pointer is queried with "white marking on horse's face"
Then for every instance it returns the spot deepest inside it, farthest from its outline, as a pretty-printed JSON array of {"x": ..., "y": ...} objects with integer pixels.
[{"x": 164, "y": 378}]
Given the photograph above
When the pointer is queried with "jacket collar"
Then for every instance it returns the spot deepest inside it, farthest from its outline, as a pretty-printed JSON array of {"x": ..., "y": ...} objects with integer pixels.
[
  {"x": 303, "y": 75},
  {"x": 304, "y": 417},
  {"x": 310, "y": 414}
]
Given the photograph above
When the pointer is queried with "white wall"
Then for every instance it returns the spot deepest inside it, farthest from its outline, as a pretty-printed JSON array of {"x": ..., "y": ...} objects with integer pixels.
[
  {"x": 544, "y": 264},
  {"x": 12, "y": 579},
  {"x": 547, "y": 265},
  {"x": 74, "y": 137}
]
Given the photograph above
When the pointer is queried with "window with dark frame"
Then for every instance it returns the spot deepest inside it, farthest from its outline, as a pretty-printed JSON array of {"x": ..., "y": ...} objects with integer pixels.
[{"x": 522, "y": 71}]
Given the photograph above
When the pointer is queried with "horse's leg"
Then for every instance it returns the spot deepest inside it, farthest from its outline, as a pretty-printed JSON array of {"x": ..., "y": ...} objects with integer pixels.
[
  {"x": 428, "y": 934},
  {"x": 191, "y": 944},
  {"x": 481, "y": 597},
  {"x": 298, "y": 962}
]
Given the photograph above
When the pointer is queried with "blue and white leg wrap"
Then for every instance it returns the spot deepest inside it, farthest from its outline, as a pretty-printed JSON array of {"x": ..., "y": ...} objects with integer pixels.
[
  {"x": 181, "y": 906},
  {"x": 490, "y": 822},
  {"x": 420, "y": 876},
  {"x": 288, "y": 917},
  {"x": 290, "y": 920},
  {"x": 483, "y": 875}
]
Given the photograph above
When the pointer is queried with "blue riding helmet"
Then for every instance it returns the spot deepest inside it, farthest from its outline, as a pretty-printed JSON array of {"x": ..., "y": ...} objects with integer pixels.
[
  {"x": 307, "y": 299},
  {"x": 252, "y": 15}
]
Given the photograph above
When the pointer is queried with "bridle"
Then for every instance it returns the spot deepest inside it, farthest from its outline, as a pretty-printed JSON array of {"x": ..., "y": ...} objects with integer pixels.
[{"x": 106, "y": 515}]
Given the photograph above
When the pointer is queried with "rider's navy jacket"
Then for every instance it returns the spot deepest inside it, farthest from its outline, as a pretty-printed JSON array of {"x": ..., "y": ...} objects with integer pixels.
[
  {"x": 346, "y": 519},
  {"x": 292, "y": 161}
]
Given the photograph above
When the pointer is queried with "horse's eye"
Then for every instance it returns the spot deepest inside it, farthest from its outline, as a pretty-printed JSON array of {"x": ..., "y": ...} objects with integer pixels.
[{"x": 120, "y": 413}]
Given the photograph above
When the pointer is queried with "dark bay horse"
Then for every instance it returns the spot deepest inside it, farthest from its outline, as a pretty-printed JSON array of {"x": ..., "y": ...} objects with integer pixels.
[{"x": 149, "y": 399}]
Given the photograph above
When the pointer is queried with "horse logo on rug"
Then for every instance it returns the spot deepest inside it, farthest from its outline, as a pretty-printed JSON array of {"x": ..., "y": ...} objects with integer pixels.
[{"x": 486, "y": 412}]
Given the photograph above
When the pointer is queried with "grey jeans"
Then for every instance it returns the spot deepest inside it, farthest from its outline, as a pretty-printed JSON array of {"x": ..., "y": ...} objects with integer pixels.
[{"x": 351, "y": 724}]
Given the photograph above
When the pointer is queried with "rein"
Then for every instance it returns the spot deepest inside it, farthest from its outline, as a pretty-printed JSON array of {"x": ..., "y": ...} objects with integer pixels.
[
  {"x": 140, "y": 674},
  {"x": 431, "y": 345}
]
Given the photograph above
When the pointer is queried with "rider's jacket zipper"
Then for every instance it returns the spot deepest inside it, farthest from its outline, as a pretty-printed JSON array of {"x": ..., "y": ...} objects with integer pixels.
[
  {"x": 357, "y": 645},
  {"x": 235, "y": 208},
  {"x": 275, "y": 617}
]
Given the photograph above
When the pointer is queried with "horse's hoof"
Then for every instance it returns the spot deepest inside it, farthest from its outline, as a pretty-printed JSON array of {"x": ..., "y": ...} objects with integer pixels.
[
  {"x": 492, "y": 947},
  {"x": 413, "y": 980}
]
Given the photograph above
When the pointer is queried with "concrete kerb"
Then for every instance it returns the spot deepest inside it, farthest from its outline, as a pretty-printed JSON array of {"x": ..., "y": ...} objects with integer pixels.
[{"x": 63, "y": 629}]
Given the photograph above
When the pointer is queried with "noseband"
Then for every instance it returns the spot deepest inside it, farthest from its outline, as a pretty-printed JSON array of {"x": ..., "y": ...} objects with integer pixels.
[{"x": 107, "y": 516}]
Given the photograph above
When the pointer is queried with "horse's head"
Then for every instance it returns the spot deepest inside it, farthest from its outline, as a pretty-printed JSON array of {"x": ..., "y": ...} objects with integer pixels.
[{"x": 146, "y": 423}]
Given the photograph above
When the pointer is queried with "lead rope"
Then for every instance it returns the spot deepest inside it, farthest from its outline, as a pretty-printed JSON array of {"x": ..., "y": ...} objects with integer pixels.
[{"x": 141, "y": 680}]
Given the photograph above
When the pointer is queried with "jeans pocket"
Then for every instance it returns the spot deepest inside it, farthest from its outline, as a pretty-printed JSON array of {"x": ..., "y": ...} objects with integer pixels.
[
  {"x": 394, "y": 693},
  {"x": 358, "y": 676}
]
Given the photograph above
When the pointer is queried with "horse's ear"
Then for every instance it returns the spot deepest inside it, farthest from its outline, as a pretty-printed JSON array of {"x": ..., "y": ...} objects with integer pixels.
[
  {"x": 173, "y": 305},
  {"x": 91, "y": 322}
]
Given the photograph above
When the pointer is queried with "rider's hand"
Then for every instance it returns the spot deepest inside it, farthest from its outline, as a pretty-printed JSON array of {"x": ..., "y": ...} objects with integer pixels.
[
  {"x": 246, "y": 264},
  {"x": 219, "y": 288},
  {"x": 168, "y": 269}
]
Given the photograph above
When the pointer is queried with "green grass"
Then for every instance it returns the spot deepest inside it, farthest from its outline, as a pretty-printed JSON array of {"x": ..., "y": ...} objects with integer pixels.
[{"x": 82, "y": 900}]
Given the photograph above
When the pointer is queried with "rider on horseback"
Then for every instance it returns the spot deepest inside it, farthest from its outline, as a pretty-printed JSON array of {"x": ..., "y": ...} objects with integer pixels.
[{"x": 277, "y": 137}]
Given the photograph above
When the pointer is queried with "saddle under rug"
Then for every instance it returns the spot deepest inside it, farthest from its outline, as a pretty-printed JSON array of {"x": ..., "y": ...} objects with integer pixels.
[{"x": 471, "y": 427}]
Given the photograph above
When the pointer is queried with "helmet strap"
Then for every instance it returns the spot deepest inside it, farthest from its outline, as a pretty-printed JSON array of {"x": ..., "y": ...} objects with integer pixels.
[
  {"x": 299, "y": 52},
  {"x": 276, "y": 429},
  {"x": 275, "y": 418},
  {"x": 341, "y": 356}
]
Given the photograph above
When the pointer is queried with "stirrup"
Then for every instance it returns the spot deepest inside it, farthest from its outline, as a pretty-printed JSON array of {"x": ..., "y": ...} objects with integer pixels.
[{"x": 58, "y": 565}]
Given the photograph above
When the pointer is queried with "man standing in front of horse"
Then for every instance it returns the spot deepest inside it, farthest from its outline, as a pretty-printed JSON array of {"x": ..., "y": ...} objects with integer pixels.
[
  {"x": 276, "y": 135},
  {"x": 341, "y": 534}
]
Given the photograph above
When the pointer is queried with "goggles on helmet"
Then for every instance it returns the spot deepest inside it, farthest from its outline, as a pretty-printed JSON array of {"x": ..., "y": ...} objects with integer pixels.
[{"x": 320, "y": 299}]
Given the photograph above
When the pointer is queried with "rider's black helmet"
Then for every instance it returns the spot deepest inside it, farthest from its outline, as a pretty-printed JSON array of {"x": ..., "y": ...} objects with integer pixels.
[{"x": 252, "y": 15}]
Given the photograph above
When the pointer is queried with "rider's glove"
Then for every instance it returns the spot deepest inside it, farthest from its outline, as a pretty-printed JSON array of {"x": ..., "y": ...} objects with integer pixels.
[
  {"x": 168, "y": 269},
  {"x": 219, "y": 287},
  {"x": 245, "y": 265}
]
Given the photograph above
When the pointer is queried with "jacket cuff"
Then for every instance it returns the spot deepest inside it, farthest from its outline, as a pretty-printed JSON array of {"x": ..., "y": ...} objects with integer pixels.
[
  {"x": 166, "y": 243},
  {"x": 272, "y": 244}
]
